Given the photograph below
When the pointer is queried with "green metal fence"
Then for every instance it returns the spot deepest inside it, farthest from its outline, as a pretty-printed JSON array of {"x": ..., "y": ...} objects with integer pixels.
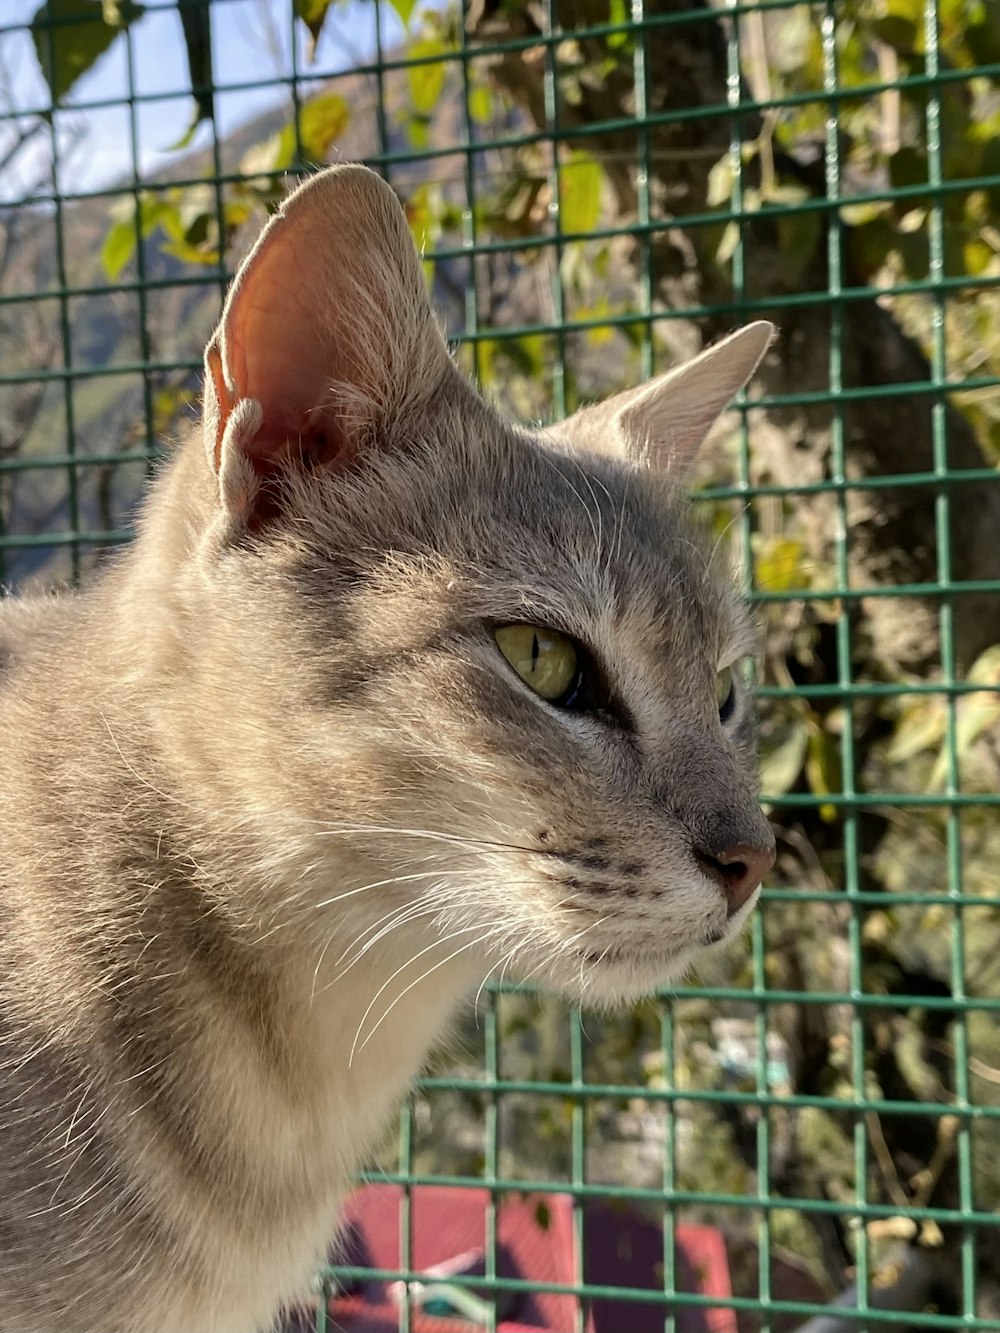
[{"x": 599, "y": 187}]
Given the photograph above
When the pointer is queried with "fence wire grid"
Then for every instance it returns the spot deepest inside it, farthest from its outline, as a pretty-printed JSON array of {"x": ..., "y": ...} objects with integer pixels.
[{"x": 599, "y": 189}]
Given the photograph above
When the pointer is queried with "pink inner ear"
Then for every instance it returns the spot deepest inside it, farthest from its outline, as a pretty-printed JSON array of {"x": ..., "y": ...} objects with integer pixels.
[
  {"x": 285, "y": 359},
  {"x": 313, "y": 441},
  {"x": 279, "y": 347}
]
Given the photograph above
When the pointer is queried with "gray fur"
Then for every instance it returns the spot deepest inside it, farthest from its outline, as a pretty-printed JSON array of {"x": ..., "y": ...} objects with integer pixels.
[{"x": 273, "y": 803}]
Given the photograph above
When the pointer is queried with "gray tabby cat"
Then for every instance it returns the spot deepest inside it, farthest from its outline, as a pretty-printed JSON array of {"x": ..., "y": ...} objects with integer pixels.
[{"x": 388, "y": 696}]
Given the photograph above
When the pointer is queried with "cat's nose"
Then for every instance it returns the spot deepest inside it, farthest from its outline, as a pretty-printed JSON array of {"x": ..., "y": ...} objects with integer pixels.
[{"x": 739, "y": 870}]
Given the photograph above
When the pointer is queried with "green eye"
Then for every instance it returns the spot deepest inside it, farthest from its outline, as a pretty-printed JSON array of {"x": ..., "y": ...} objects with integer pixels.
[
  {"x": 543, "y": 658},
  {"x": 724, "y": 692}
]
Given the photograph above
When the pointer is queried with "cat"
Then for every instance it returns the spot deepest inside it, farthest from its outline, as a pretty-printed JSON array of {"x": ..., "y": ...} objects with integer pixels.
[{"x": 387, "y": 697}]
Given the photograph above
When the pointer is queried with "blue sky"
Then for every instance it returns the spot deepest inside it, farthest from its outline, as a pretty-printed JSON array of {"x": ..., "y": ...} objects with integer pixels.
[{"x": 251, "y": 40}]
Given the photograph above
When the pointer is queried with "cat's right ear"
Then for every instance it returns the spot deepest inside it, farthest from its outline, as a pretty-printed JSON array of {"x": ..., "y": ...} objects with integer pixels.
[
  {"x": 326, "y": 335},
  {"x": 664, "y": 422}
]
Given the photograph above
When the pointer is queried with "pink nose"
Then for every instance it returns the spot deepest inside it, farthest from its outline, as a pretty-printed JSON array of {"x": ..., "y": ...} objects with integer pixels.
[{"x": 739, "y": 871}]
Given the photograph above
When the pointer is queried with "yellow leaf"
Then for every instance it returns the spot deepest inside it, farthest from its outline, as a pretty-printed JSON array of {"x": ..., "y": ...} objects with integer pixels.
[
  {"x": 481, "y": 104},
  {"x": 426, "y": 80},
  {"x": 778, "y": 564},
  {"x": 322, "y": 121},
  {"x": 720, "y": 183},
  {"x": 823, "y": 771},
  {"x": 581, "y": 182}
]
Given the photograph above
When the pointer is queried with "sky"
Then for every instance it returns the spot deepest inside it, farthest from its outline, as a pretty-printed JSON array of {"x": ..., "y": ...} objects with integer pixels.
[{"x": 251, "y": 40}]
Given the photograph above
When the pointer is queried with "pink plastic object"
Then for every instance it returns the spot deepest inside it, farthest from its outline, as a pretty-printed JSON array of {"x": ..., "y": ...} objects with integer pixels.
[{"x": 534, "y": 1242}]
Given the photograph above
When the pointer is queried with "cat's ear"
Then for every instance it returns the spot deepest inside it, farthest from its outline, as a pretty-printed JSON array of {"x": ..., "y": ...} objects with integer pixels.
[
  {"x": 665, "y": 421},
  {"x": 327, "y": 333}
]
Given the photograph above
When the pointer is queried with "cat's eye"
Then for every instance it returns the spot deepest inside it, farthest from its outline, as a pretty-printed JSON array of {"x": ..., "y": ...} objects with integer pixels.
[
  {"x": 543, "y": 658},
  {"x": 725, "y": 693}
]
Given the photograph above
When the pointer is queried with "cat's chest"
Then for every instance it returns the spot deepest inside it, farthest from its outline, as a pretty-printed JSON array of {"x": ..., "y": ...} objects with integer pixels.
[{"x": 298, "y": 1147}]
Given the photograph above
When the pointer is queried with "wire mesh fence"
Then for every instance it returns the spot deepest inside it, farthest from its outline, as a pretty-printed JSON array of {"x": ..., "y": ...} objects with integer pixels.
[{"x": 598, "y": 189}]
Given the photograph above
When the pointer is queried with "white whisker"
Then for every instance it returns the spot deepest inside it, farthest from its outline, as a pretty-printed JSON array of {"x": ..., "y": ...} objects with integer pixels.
[
  {"x": 434, "y": 944},
  {"x": 379, "y": 830},
  {"x": 406, "y": 989},
  {"x": 375, "y": 884}
]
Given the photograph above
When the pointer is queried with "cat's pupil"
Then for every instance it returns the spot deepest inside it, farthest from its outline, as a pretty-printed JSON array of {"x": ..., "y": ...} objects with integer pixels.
[{"x": 545, "y": 660}]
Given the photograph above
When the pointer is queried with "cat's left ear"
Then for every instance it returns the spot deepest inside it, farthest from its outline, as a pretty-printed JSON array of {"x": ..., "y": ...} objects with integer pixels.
[
  {"x": 326, "y": 340},
  {"x": 665, "y": 421}
]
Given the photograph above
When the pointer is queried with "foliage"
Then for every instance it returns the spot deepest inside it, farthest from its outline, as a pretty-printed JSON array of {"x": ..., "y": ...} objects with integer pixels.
[{"x": 69, "y": 35}]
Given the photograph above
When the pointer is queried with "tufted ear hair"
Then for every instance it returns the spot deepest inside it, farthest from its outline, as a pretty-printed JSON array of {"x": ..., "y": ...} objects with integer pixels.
[
  {"x": 665, "y": 421},
  {"x": 326, "y": 335}
]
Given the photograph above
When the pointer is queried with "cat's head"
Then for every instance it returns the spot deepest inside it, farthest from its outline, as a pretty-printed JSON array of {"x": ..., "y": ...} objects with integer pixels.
[{"x": 505, "y": 667}]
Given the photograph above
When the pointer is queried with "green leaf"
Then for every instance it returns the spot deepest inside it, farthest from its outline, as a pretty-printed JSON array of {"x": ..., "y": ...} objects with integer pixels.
[
  {"x": 780, "y": 563},
  {"x": 617, "y": 15},
  {"x": 481, "y": 104},
  {"x": 898, "y": 31},
  {"x": 118, "y": 248},
  {"x": 581, "y": 183},
  {"x": 185, "y": 140},
  {"x": 198, "y": 45},
  {"x": 159, "y": 212},
  {"x": 70, "y": 35},
  {"x": 426, "y": 81},
  {"x": 192, "y": 254},
  {"x": 823, "y": 772},
  {"x": 527, "y": 353},
  {"x": 168, "y": 403},
  {"x": 404, "y": 9},
  {"x": 978, "y": 256},
  {"x": 187, "y": 218},
  {"x": 419, "y": 133},
  {"x": 479, "y": 360},
  {"x": 322, "y": 121},
  {"x": 313, "y": 15}
]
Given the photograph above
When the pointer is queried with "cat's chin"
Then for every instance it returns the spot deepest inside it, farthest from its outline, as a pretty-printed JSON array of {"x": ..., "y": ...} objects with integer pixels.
[
  {"x": 610, "y": 981},
  {"x": 623, "y": 975}
]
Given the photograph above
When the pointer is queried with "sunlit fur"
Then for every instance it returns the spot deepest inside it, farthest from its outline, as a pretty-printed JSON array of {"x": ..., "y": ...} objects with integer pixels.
[{"x": 274, "y": 804}]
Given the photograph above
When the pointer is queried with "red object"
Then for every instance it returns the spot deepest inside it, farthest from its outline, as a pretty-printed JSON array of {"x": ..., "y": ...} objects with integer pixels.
[{"x": 534, "y": 1242}]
